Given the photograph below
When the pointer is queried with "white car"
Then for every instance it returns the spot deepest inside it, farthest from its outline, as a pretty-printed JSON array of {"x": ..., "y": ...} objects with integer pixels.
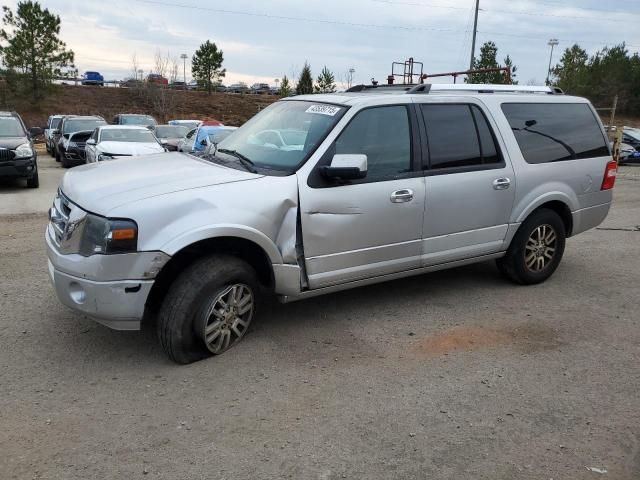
[{"x": 114, "y": 141}]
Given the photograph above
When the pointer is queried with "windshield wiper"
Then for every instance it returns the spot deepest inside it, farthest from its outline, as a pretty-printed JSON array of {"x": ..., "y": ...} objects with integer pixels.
[{"x": 246, "y": 162}]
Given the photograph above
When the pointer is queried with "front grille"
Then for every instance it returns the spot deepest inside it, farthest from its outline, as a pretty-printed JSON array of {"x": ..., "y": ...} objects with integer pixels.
[{"x": 6, "y": 155}]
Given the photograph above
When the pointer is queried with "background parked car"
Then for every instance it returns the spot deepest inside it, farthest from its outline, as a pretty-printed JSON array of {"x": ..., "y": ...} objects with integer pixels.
[
  {"x": 202, "y": 141},
  {"x": 130, "y": 83},
  {"x": 18, "y": 157},
  {"x": 170, "y": 135},
  {"x": 178, "y": 85},
  {"x": 76, "y": 146},
  {"x": 92, "y": 78},
  {"x": 72, "y": 124},
  {"x": 260, "y": 88},
  {"x": 134, "y": 119},
  {"x": 215, "y": 137},
  {"x": 190, "y": 124},
  {"x": 116, "y": 141},
  {"x": 52, "y": 124},
  {"x": 238, "y": 88},
  {"x": 631, "y": 136},
  {"x": 157, "y": 79},
  {"x": 193, "y": 85},
  {"x": 186, "y": 143}
]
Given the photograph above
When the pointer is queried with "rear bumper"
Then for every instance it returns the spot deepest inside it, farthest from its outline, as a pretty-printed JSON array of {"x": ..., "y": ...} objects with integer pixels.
[
  {"x": 25, "y": 167},
  {"x": 588, "y": 218}
]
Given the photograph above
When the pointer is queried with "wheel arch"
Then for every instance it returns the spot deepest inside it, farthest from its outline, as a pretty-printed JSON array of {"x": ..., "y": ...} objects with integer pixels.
[
  {"x": 243, "y": 248},
  {"x": 558, "y": 203}
]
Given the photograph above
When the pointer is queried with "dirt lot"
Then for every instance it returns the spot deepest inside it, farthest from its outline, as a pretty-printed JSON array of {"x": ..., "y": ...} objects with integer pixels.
[
  {"x": 453, "y": 375},
  {"x": 232, "y": 109}
]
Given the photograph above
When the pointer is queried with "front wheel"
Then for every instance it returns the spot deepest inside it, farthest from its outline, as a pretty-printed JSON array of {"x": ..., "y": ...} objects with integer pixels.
[
  {"x": 536, "y": 250},
  {"x": 208, "y": 308},
  {"x": 33, "y": 181}
]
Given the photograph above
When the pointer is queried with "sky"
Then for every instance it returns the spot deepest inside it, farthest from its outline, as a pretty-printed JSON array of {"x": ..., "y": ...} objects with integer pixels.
[{"x": 263, "y": 41}]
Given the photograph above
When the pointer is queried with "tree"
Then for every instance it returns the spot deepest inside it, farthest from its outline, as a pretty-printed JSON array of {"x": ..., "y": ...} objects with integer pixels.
[
  {"x": 571, "y": 72},
  {"x": 305, "y": 82},
  {"x": 326, "y": 82},
  {"x": 488, "y": 59},
  {"x": 31, "y": 45},
  {"x": 285, "y": 87},
  {"x": 206, "y": 65}
]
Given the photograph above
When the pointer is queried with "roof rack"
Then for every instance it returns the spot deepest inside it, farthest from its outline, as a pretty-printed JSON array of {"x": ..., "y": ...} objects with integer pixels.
[{"x": 425, "y": 88}]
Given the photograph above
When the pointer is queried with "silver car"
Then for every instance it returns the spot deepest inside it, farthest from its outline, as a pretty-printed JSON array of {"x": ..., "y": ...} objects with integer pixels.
[{"x": 342, "y": 190}]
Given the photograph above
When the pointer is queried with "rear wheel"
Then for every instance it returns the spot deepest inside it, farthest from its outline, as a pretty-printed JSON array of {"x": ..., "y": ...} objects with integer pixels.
[
  {"x": 536, "y": 250},
  {"x": 208, "y": 309}
]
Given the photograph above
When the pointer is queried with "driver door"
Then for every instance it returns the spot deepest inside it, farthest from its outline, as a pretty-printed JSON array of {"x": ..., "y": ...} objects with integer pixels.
[{"x": 370, "y": 227}]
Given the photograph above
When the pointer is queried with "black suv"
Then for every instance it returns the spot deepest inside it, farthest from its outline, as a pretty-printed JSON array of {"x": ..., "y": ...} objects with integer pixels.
[
  {"x": 72, "y": 124},
  {"x": 18, "y": 157}
]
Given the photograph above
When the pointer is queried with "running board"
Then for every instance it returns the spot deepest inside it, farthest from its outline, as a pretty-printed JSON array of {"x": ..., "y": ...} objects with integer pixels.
[{"x": 385, "y": 278}]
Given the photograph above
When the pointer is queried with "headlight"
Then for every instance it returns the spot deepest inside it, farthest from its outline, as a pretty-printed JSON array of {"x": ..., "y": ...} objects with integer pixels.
[
  {"x": 105, "y": 236},
  {"x": 105, "y": 156},
  {"x": 24, "y": 150}
]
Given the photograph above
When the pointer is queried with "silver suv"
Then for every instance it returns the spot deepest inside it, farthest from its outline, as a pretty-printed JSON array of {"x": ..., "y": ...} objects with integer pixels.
[{"x": 322, "y": 193}]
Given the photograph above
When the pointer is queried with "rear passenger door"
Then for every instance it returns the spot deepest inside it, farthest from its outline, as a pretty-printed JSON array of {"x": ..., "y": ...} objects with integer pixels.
[{"x": 470, "y": 185}]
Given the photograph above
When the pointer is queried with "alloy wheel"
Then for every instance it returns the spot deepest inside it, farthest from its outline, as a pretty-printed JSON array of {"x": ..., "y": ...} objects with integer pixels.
[{"x": 540, "y": 248}]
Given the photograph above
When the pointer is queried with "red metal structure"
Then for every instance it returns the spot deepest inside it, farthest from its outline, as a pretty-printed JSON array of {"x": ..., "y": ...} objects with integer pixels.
[{"x": 410, "y": 68}]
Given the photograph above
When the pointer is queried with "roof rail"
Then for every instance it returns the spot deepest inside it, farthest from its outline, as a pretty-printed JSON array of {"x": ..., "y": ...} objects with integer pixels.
[
  {"x": 483, "y": 88},
  {"x": 363, "y": 88}
]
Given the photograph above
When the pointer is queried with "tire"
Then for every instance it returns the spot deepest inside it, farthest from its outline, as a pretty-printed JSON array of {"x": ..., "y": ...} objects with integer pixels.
[
  {"x": 33, "y": 181},
  {"x": 56, "y": 155},
  {"x": 187, "y": 309},
  {"x": 540, "y": 233}
]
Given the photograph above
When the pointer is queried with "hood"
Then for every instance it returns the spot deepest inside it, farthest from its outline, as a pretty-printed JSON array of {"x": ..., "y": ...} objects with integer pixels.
[
  {"x": 129, "y": 148},
  {"x": 12, "y": 143},
  {"x": 100, "y": 187}
]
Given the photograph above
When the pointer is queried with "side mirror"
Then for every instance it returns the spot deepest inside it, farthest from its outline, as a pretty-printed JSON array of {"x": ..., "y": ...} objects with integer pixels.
[
  {"x": 203, "y": 142},
  {"x": 35, "y": 131},
  {"x": 91, "y": 141},
  {"x": 55, "y": 131},
  {"x": 346, "y": 167}
]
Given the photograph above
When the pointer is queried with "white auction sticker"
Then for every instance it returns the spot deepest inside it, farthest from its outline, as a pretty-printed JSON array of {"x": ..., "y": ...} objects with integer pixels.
[{"x": 323, "y": 109}]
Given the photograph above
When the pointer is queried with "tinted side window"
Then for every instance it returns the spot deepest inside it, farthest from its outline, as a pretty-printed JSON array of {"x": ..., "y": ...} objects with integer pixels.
[
  {"x": 383, "y": 135},
  {"x": 488, "y": 146},
  {"x": 553, "y": 132},
  {"x": 451, "y": 135}
]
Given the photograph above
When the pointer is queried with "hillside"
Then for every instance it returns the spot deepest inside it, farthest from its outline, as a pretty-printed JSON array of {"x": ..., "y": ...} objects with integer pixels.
[{"x": 231, "y": 109}]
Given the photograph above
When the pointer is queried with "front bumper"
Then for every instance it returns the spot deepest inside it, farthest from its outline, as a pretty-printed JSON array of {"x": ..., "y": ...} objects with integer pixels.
[
  {"x": 23, "y": 167},
  {"x": 112, "y": 289}
]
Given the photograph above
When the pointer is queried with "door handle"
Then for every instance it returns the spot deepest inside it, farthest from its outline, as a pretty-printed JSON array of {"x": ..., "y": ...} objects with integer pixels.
[
  {"x": 402, "y": 196},
  {"x": 501, "y": 183}
]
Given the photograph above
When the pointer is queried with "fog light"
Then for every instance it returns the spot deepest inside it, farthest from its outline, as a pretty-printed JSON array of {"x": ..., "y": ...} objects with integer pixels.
[{"x": 77, "y": 293}]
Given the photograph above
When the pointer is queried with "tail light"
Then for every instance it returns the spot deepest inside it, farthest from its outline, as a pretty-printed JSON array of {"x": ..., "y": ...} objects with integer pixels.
[{"x": 609, "y": 175}]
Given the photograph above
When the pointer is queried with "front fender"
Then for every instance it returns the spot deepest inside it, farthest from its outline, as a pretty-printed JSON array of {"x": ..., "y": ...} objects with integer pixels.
[{"x": 224, "y": 230}]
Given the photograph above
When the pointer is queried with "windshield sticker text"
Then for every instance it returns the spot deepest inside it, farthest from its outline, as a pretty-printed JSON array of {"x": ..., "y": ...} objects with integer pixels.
[{"x": 323, "y": 109}]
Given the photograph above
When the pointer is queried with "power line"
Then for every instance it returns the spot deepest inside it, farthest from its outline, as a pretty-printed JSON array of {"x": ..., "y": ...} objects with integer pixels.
[
  {"x": 517, "y": 12},
  {"x": 341, "y": 22},
  {"x": 297, "y": 19}
]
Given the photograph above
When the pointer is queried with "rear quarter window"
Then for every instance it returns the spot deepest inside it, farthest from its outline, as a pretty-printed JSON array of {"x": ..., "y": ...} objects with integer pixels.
[{"x": 555, "y": 132}]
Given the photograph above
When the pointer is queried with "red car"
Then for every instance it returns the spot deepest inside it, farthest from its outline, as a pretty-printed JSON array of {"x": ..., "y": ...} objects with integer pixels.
[{"x": 157, "y": 79}]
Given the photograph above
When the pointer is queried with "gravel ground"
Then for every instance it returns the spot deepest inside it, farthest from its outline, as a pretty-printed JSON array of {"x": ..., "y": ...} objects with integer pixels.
[{"x": 451, "y": 375}]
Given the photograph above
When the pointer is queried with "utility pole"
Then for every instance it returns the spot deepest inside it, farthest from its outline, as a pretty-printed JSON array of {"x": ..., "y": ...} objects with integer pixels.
[
  {"x": 475, "y": 32},
  {"x": 552, "y": 43},
  {"x": 351, "y": 72},
  {"x": 184, "y": 57}
]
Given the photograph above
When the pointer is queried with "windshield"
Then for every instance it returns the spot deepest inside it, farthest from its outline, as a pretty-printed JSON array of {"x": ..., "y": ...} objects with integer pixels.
[
  {"x": 283, "y": 135},
  {"x": 173, "y": 131},
  {"x": 137, "y": 120},
  {"x": 71, "y": 126},
  {"x": 11, "y": 127},
  {"x": 127, "y": 135}
]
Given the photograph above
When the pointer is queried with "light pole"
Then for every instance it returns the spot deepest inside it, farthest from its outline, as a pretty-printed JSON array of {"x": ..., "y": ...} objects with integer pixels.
[
  {"x": 552, "y": 43},
  {"x": 184, "y": 57},
  {"x": 351, "y": 72},
  {"x": 141, "y": 72}
]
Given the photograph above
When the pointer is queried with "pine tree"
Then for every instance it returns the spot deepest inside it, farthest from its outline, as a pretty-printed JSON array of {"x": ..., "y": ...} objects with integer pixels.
[
  {"x": 32, "y": 45},
  {"x": 285, "y": 87},
  {"x": 488, "y": 59},
  {"x": 305, "y": 82},
  {"x": 206, "y": 65},
  {"x": 326, "y": 82}
]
